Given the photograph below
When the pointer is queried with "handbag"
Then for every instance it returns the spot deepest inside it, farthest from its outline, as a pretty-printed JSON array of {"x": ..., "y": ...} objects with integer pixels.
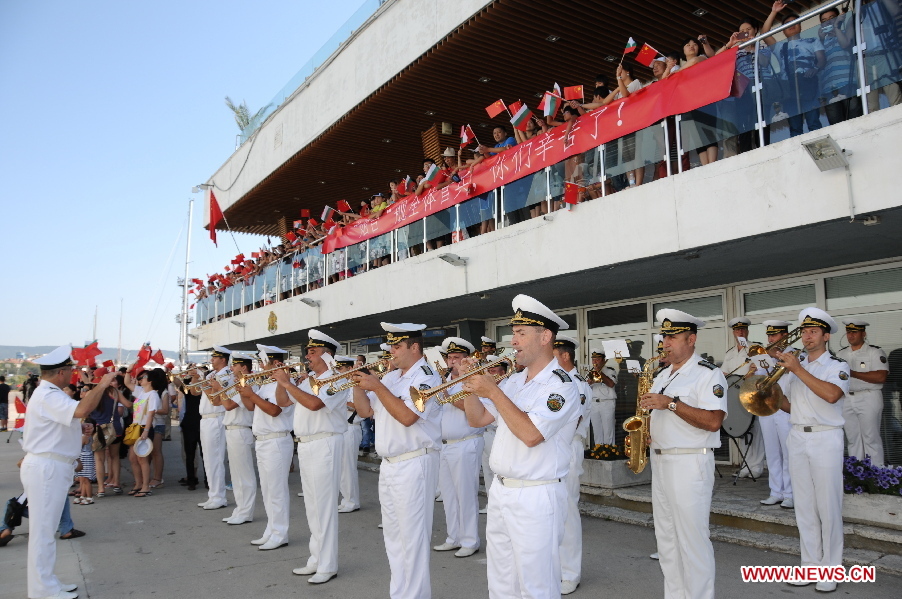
[
  {"x": 14, "y": 512},
  {"x": 132, "y": 434}
]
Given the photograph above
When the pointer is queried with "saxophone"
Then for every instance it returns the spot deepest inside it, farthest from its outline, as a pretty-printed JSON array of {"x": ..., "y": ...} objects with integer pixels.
[{"x": 636, "y": 443}]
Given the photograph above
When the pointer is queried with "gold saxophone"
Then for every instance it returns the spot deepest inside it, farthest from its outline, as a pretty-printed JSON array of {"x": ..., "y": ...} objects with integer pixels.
[{"x": 636, "y": 442}]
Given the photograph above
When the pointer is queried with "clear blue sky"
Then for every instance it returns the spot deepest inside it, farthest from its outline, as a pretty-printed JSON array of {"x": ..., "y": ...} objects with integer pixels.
[{"x": 114, "y": 110}]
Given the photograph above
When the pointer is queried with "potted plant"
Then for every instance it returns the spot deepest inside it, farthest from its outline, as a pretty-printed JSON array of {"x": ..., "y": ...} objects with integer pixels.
[
  {"x": 605, "y": 467},
  {"x": 873, "y": 493}
]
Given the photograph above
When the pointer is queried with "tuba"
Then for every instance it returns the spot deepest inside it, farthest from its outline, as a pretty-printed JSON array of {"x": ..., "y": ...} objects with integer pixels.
[{"x": 636, "y": 443}]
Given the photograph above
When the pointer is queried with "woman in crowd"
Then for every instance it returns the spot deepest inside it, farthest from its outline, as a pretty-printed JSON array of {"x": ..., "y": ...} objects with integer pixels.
[
  {"x": 160, "y": 384},
  {"x": 87, "y": 474},
  {"x": 107, "y": 436},
  {"x": 146, "y": 404},
  {"x": 699, "y": 128}
]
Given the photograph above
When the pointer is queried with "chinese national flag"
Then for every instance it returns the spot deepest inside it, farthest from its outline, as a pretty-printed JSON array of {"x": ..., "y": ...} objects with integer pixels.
[
  {"x": 466, "y": 136},
  {"x": 305, "y": 213},
  {"x": 158, "y": 357},
  {"x": 290, "y": 236},
  {"x": 571, "y": 193},
  {"x": 495, "y": 109},
  {"x": 646, "y": 55},
  {"x": 312, "y": 222},
  {"x": 109, "y": 364},
  {"x": 573, "y": 93},
  {"x": 144, "y": 352},
  {"x": 215, "y": 216},
  {"x": 515, "y": 106},
  {"x": 343, "y": 206},
  {"x": 255, "y": 254}
]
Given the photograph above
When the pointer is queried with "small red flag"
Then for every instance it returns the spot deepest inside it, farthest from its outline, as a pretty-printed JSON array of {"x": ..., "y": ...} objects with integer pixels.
[
  {"x": 329, "y": 223},
  {"x": 515, "y": 106},
  {"x": 312, "y": 222},
  {"x": 646, "y": 55},
  {"x": 343, "y": 206},
  {"x": 571, "y": 193},
  {"x": 573, "y": 93},
  {"x": 158, "y": 357},
  {"x": 466, "y": 136},
  {"x": 495, "y": 109},
  {"x": 215, "y": 216},
  {"x": 255, "y": 254},
  {"x": 305, "y": 213},
  {"x": 144, "y": 352},
  {"x": 109, "y": 364},
  {"x": 290, "y": 236},
  {"x": 191, "y": 307}
]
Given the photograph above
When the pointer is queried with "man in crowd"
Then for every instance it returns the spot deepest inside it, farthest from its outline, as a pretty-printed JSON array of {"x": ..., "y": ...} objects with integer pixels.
[
  {"x": 775, "y": 428},
  {"x": 734, "y": 362},
  {"x": 4, "y": 403},
  {"x": 212, "y": 432},
  {"x": 863, "y": 406},
  {"x": 349, "y": 487},
  {"x": 604, "y": 398}
]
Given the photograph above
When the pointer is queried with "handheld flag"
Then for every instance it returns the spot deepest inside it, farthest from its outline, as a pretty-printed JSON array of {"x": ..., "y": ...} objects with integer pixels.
[
  {"x": 495, "y": 109},
  {"x": 630, "y": 46},
  {"x": 343, "y": 206},
  {"x": 158, "y": 357},
  {"x": 521, "y": 118},
  {"x": 432, "y": 175},
  {"x": 312, "y": 222},
  {"x": 515, "y": 106},
  {"x": 646, "y": 55},
  {"x": 305, "y": 213},
  {"x": 298, "y": 224},
  {"x": 571, "y": 193},
  {"x": 327, "y": 213},
  {"x": 552, "y": 103},
  {"x": 573, "y": 93},
  {"x": 290, "y": 236},
  {"x": 215, "y": 217},
  {"x": 466, "y": 135}
]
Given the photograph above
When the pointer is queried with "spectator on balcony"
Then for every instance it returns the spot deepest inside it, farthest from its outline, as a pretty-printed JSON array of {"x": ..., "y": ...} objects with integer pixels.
[
  {"x": 699, "y": 128},
  {"x": 503, "y": 141},
  {"x": 534, "y": 126},
  {"x": 838, "y": 79},
  {"x": 883, "y": 54},
  {"x": 423, "y": 184},
  {"x": 801, "y": 60}
]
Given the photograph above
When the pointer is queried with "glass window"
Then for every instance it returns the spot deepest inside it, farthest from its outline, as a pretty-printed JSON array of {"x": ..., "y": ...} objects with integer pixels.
[
  {"x": 706, "y": 308},
  {"x": 787, "y": 299},
  {"x": 617, "y": 318},
  {"x": 872, "y": 288}
]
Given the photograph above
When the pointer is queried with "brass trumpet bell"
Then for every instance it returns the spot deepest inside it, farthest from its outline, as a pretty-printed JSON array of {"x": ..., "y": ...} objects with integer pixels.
[{"x": 756, "y": 401}]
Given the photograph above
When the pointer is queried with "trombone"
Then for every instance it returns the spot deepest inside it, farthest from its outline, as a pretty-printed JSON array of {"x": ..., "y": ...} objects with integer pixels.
[
  {"x": 380, "y": 366},
  {"x": 440, "y": 392},
  {"x": 781, "y": 344}
]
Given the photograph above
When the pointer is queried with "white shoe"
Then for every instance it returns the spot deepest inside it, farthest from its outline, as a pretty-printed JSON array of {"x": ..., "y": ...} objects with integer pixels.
[
  {"x": 260, "y": 541},
  {"x": 655, "y": 555},
  {"x": 68, "y": 588},
  {"x": 465, "y": 551},
  {"x": 568, "y": 586},
  {"x": 215, "y": 506},
  {"x": 203, "y": 503},
  {"x": 235, "y": 521},
  {"x": 270, "y": 545},
  {"x": 305, "y": 571},
  {"x": 380, "y": 525},
  {"x": 798, "y": 583},
  {"x": 301, "y": 494},
  {"x": 825, "y": 586},
  {"x": 321, "y": 577},
  {"x": 743, "y": 472},
  {"x": 446, "y": 547},
  {"x": 789, "y": 504},
  {"x": 772, "y": 500},
  {"x": 345, "y": 509},
  {"x": 63, "y": 595},
  {"x": 484, "y": 510}
]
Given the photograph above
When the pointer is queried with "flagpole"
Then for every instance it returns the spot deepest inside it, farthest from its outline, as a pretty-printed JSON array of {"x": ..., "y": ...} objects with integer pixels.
[
  {"x": 226, "y": 221},
  {"x": 183, "y": 332}
]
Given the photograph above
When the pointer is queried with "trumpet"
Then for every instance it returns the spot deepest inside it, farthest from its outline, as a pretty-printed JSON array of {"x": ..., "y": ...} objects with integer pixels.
[
  {"x": 380, "y": 366},
  {"x": 264, "y": 377},
  {"x": 204, "y": 384},
  {"x": 440, "y": 392},
  {"x": 781, "y": 344},
  {"x": 332, "y": 390},
  {"x": 592, "y": 376}
]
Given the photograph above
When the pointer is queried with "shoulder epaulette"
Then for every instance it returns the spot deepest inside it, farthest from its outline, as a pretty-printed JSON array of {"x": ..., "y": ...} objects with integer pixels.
[
  {"x": 580, "y": 378},
  {"x": 707, "y": 364},
  {"x": 876, "y": 347},
  {"x": 427, "y": 370},
  {"x": 565, "y": 378},
  {"x": 837, "y": 359}
]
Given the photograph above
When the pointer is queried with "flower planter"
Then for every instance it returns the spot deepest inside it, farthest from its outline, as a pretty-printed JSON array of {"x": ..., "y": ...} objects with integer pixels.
[
  {"x": 612, "y": 474},
  {"x": 875, "y": 510}
]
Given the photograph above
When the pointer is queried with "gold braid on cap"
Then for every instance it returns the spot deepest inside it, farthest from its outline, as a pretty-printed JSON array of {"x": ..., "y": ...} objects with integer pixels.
[
  {"x": 563, "y": 343},
  {"x": 740, "y": 325},
  {"x": 855, "y": 327},
  {"x": 672, "y": 328},
  {"x": 457, "y": 349},
  {"x": 519, "y": 318},
  {"x": 393, "y": 338},
  {"x": 772, "y": 330},
  {"x": 218, "y": 354},
  {"x": 814, "y": 322}
]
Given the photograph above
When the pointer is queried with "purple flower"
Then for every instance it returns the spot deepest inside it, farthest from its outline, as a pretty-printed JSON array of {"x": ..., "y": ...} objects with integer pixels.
[{"x": 859, "y": 490}]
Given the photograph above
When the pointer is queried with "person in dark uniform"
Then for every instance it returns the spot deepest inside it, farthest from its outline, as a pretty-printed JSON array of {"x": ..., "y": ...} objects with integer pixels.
[{"x": 190, "y": 425}]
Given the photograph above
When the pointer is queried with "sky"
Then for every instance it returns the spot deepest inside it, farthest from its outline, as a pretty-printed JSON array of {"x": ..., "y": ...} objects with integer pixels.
[{"x": 115, "y": 111}]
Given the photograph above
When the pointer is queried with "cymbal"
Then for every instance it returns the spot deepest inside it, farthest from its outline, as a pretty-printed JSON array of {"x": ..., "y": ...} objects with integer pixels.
[{"x": 754, "y": 401}]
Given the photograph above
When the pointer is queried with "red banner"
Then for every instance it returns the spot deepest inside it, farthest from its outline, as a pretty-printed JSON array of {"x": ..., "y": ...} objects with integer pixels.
[{"x": 684, "y": 91}]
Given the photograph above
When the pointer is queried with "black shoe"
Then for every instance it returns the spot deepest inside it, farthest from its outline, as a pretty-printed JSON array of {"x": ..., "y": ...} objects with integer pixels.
[
  {"x": 183, "y": 481},
  {"x": 6, "y": 539},
  {"x": 73, "y": 534}
]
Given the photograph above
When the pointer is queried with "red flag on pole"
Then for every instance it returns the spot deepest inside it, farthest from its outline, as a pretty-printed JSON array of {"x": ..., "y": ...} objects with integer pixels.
[
  {"x": 20, "y": 407},
  {"x": 290, "y": 236},
  {"x": 571, "y": 193},
  {"x": 495, "y": 109},
  {"x": 158, "y": 357},
  {"x": 515, "y": 106},
  {"x": 466, "y": 136},
  {"x": 305, "y": 213},
  {"x": 343, "y": 206},
  {"x": 573, "y": 93},
  {"x": 646, "y": 55},
  {"x": 215, "y": 216}
]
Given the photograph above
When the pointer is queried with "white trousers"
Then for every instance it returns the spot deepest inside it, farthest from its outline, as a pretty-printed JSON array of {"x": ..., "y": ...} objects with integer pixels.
[
  {"x": 458, "y": 480},
  {"x": 488, "y": 476},
  {"x": 572, "y": 543},
  {"x": 601, "y": 415},
  {"x": 240, "y": 443},
  {"x": 273, "y": 462},
  {"x": 863, "y": 411},
  {"x": 319, "y": 463},
  {"x": 775, "y": 432},
  {"x": 523, "y": 538},
  {"x": 407, "y": 495},
  {"x": 213, "y": 442},
  {"x": 755, "y": 456},
  {"x": 46, "y": 482},
  {"x": 816, "y": 464},
  {"x": 681, "y": 489},
  {"x": 350, "y": 484}
]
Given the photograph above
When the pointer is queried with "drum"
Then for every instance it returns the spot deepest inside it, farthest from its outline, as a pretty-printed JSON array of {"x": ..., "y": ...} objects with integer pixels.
[{"x": 738, "y": 421}]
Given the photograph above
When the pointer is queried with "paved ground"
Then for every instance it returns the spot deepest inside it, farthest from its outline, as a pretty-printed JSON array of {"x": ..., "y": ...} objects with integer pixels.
[{"x": 165, "y": 546}]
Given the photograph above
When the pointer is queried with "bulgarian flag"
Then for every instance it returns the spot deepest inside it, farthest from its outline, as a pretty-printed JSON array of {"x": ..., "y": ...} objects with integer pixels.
[
  {"x": 432, "y": 174},
  {"x": 495, "y": 109},
  {"x": 466, "y": 136},
  {"x": 521, "y": 118},
  {"x": 327, "y": 213},
  {"x": 630, "y": 46},
  {"x": 551, "y": 103}
]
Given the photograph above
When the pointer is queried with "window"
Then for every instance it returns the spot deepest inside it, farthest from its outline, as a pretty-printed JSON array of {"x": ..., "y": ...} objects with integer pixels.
[
  {"x": 877, "y": 287},
  {"x": 605, "y": 320},
  {"x": 706, "y": 308},
  {"x": 787, "y": 299}
]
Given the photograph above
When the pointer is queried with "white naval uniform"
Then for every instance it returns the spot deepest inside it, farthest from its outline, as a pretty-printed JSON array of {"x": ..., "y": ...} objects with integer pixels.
[
  {"x": 775, "y": 432},
  {"x": 240, "y": 445},
  {"x": 458, "y": 476},
  {"x": 274, "y": 450},
  {"x": 52, "y": 442},
  {"x": 756, "y": 453},
  {"x": 571, "y": 551},
  {"x": 408, "y": 477},
  {"x": 349, "y": 487},
  {"x": 488, "y": 439},
  {"x": 213, "y": 444},
  {"x": 863, "y": 404},
  {"x": 602, "y": 407},
  {"x": 528, "y": 502},
  {"x": 816, "y": 461},
  {"x": 320, "y": 436},
  {"x": 682, "y": 483}
]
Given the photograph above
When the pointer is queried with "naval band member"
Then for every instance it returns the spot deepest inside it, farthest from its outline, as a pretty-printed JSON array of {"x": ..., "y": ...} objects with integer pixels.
[
  {"x": 212, "y": 433},
  {"x": 863, "y": 406}
]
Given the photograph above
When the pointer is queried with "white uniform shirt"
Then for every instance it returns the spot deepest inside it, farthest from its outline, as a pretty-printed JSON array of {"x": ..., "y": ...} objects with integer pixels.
[
  {"x": 240, "y": 416},
  {"x": 734, "y": 358},
  {"x": 551, "y": 400},
  {"x": 206, "y": 406},
  {"x": 808, "y": 408},
  {"x": 332, "y": 418},
  {"x": 698, "y": 384},
  {"x": 866, "y": 358},
  {"x": 602, "y": 392},
  {"x": 454, "y": 421},
  {"x": 265, "y": 424},
  {"x": 392, "y": 437},
  {"x": 585, "y": 397},
  {"x": 51, "y": 425}
]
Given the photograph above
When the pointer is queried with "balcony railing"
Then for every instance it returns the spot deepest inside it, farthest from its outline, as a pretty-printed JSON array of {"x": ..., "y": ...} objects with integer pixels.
[{"x": 778, "y": 100}]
